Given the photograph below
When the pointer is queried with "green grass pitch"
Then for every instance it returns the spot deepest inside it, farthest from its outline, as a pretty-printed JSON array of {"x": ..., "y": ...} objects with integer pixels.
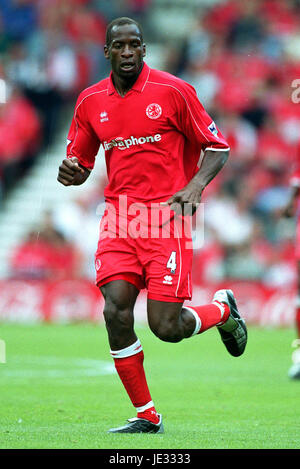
[{"x": 58, "y": 390}]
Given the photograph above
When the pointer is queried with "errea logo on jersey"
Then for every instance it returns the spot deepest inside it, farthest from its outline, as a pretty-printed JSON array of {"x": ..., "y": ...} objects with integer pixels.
[
  {"x": 125, "y": 143},
  {"x": 103, "y": 116},
  {"x": 167, "y": 280}
]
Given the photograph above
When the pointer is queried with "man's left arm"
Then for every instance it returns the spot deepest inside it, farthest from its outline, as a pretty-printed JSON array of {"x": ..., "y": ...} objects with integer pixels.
[
  {"x": 190, "y": 196},
  {"x": 290, "y": 208},
  {"x": 199, "y": 128}
]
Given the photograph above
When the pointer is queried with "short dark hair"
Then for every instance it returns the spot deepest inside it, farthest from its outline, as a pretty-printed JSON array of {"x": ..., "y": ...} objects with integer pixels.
[{"x": 121, "y": 22}]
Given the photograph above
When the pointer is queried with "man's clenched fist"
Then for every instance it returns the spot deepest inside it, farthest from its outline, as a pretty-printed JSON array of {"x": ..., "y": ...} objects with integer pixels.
[{"x": 71, "y": 174}]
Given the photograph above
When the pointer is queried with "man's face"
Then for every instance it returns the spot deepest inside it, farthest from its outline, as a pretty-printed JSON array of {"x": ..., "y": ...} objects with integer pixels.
[{"x": 126, "y": 51}]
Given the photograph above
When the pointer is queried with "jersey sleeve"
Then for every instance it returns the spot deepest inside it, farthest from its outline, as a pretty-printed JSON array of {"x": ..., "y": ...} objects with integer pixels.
[
  {"x": 82, "y": 141},
  {"x": 194, "y": 122},
  {"x": 295, "y": 179}
]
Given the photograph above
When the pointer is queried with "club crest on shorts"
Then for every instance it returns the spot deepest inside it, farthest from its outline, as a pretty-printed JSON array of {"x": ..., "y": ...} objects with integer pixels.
[
  {"x": 98, "y": 264},
  {"x": 153, "y": 111}
]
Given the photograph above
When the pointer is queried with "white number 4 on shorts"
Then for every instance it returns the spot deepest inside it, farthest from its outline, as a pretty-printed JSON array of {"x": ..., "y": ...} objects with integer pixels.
[{"x": 171, "y": 264}]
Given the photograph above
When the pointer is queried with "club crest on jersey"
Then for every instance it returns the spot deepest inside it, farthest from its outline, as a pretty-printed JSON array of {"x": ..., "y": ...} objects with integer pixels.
[
  {"x": 103, "y": 116},
  {"x": 212, "y": 127},
  {"x": 153, "y": 111}
]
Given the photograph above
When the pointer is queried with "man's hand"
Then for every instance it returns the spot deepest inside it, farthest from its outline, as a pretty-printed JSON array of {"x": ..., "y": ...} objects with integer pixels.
[
  {"x": 187, "y": 200},
  {"x": 71, "y": 174},
  {"x": 288, "y": 211}
]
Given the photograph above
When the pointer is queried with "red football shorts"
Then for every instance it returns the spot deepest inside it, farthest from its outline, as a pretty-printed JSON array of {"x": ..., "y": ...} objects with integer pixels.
[{"x": 158, "y": 258}]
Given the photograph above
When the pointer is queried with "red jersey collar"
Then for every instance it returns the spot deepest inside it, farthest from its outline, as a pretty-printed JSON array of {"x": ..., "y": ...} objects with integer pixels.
[{"x": 137, "y": 86}]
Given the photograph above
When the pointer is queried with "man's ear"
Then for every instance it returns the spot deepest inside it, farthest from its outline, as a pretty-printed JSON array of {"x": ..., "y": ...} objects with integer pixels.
[
  {"x": 144, "y": 50},
  {"x": 106, "y": 52}
]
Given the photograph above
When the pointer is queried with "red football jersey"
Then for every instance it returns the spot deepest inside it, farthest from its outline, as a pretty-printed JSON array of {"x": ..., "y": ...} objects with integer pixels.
[
  {"x": 295, "y": 183},
  {"x": 152, "y": 137},
  {"x": 295, "y": 179}
]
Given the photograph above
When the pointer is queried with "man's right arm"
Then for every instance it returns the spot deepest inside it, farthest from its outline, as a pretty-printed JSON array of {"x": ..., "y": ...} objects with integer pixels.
[
  {"x": 82, "y": 145},
  {"x": 71, "y": 173},
  {"x": 290, "y": 208}
]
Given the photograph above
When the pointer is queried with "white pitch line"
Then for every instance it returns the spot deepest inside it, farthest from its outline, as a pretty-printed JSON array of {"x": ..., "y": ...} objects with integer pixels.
[{"x": 54, "y": 367}]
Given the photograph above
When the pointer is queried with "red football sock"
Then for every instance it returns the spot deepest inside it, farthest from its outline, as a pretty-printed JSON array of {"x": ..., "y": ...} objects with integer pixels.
[
  {"x": 149, "y": 414},
  {"x": 129, "y": 365},
  {"x": 209, "y": 315}
]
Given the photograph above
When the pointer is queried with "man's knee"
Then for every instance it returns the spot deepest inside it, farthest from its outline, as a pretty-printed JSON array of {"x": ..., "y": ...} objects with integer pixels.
[
  {"x": 163, "y": 318},
  {"x": 117, "y": 315},
  {"x": 165, "y": 330},
  {"x": 119, "y": 303}
]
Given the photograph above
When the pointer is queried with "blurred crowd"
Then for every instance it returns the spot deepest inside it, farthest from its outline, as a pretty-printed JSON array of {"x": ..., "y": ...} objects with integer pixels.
[
  {"x": 49, "y": 51},
  {"x": 243, "y": 58}
]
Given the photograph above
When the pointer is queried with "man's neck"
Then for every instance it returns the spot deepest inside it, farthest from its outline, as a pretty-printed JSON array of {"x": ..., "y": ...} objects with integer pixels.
[{"x": 123, "y": 85}]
